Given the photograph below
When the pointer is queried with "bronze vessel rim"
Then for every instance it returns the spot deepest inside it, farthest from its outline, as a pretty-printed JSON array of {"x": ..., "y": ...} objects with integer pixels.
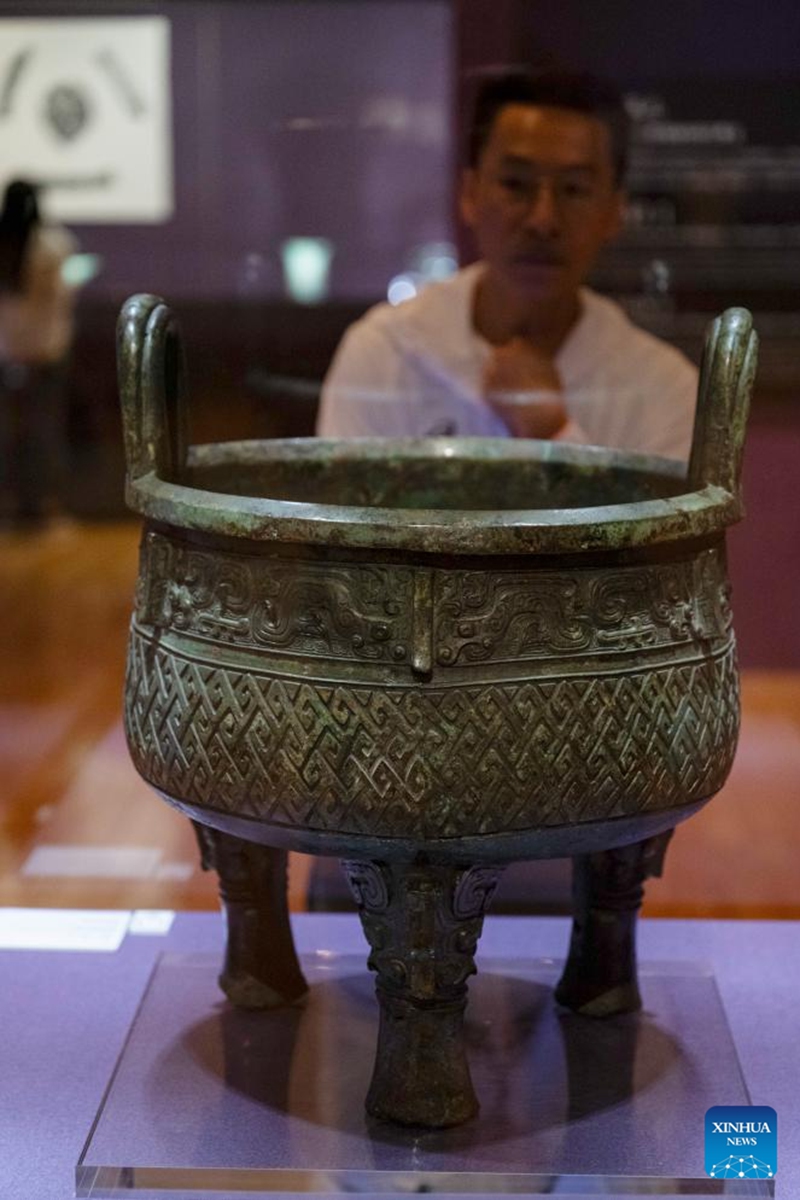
[{"x": 699, "y": 513}]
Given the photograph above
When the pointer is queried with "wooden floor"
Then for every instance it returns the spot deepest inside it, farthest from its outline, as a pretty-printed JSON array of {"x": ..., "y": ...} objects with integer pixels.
[{"x": 80, "y": 829}]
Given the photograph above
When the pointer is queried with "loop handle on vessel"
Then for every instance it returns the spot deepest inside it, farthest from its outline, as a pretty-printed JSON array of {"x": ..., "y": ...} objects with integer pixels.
[
  {"x": 151, "y": 373},
  {"x": 723, "y": 401}
]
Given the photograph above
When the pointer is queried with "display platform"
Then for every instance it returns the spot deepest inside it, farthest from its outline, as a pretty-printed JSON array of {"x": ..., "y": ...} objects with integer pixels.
[
  {"x": 66, "y": 1014},
  {"x": 206, "y": 1097}
]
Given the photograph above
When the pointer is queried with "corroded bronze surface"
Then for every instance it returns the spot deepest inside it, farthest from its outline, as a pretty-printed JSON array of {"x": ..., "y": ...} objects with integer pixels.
[
  {"x": 592, "y": 698},
  {"x": 429, "y": 658},
  {"x": 261, "y": 968},
  {"x": 419, "y": 616},
  {"x": 423, "y": 924}
]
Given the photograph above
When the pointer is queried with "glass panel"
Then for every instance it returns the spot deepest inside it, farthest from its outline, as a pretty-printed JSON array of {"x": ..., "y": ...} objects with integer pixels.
[{"x": 208, "y": 1099}]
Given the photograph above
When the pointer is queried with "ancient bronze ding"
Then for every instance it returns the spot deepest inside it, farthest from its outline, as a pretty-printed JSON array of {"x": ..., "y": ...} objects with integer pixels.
[{"x": 430, "y": 658}]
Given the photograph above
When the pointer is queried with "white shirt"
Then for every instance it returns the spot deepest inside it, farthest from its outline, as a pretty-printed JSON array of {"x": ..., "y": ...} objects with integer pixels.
[{"x": 416, "y": 370}]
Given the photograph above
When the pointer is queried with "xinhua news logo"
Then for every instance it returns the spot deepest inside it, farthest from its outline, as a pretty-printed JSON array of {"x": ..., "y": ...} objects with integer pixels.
[{"x": 741, "y": 1142}]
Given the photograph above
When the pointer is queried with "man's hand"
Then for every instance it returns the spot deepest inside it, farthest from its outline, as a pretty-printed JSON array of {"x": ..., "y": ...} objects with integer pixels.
[{"x": 522, "y": 385}]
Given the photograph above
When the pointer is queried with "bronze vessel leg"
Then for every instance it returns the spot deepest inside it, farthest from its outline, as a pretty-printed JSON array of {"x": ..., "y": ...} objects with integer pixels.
[
  {"x": 422, "y": 923},
  {"x": 261, "y": 969},
  {"x": 599, "y": 977}
]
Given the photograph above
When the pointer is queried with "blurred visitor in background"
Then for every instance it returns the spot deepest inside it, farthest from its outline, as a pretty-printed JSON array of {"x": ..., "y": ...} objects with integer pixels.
[
  {"x": 36, "y": 329},
  {"x": 515, "y": 345}
]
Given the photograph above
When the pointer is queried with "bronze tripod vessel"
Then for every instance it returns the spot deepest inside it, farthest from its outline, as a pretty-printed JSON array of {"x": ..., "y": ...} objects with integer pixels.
[{"x": 430, "y": 658}]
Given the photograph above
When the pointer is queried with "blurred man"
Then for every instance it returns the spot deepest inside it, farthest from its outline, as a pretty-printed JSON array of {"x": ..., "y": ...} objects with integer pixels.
[{"x": 515, "y": 345}]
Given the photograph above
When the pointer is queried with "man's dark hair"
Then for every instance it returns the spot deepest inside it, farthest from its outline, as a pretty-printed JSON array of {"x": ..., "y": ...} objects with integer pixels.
[{"x": 551, "y": 87}]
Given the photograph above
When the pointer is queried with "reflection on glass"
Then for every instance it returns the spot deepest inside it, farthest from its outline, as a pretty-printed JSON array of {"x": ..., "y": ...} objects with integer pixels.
[
  {"x": 78, "y": 269},
  {"x": 427, "y": 263},
  {"x": 306, "y": 268},
  {"x": 401, "y": 287},
  {"x": 435, "y": 260}
]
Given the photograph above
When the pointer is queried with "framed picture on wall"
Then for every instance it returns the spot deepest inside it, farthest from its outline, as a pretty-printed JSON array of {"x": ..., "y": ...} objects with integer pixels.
[{"x": 85, "y": 111}]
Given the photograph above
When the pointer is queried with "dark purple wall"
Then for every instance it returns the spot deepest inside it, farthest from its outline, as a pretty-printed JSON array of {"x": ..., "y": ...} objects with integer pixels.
[
  {"x": 631, "y": 40},
  {"x": 305, "y": 118}
]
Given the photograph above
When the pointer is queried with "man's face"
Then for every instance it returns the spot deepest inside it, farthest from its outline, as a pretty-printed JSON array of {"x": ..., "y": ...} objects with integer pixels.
[{"x": 542, "y": 201}]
